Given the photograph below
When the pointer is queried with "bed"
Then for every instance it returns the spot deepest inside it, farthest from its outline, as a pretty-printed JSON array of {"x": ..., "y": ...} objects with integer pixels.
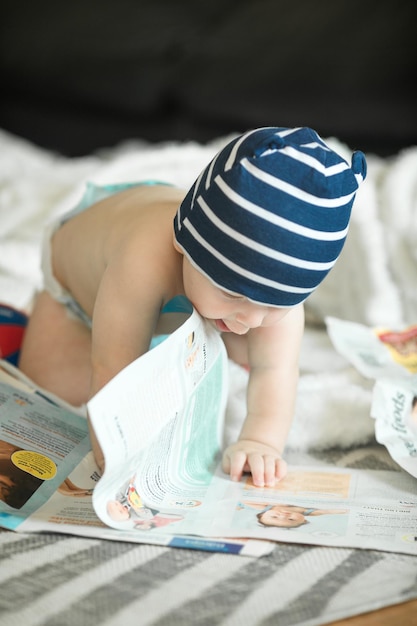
[{"x": 51, "y": 579}]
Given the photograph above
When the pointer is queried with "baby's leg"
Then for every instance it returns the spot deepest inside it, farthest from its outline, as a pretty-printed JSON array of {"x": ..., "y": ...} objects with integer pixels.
[
  {"x": 56, "y": 351},
  {"x": 237, "y": 348}
]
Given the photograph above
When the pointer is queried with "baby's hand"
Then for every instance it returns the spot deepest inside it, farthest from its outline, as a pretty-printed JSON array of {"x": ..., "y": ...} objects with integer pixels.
[{"x": 264, "y": 462}]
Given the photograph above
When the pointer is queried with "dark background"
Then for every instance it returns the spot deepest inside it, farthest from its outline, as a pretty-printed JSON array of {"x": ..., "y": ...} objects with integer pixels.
[{"x": 77, "y": 76}]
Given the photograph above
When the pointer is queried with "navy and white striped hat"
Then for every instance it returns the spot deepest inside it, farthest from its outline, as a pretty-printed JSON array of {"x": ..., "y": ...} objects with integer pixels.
[{"x": 268, "y": 217}]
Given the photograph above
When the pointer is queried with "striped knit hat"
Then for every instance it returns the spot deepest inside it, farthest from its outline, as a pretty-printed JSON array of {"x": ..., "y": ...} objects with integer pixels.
[{"x": 268, "y": 217}]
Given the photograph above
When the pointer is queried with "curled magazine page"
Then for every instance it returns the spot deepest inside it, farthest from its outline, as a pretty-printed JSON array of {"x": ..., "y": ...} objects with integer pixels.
[
  {"x": 389, "y": 356},
  {"x": 375, "y": 352},
  {"x": 160, "y": 426},
  {"x": 394, "y": 408}
]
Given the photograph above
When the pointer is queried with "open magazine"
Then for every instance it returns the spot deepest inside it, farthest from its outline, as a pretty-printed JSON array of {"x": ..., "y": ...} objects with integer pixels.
[
  {"x": 389, "y": 357},
  {"x": 159, "y": 423}
]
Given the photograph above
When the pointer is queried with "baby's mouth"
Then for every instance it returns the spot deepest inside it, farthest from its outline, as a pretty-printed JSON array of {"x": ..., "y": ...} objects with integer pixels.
[{"x": 221, "y": 326}]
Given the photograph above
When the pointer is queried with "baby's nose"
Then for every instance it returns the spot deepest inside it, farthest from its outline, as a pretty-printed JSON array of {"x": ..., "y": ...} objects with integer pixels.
[{"x": 251, "y": 318}]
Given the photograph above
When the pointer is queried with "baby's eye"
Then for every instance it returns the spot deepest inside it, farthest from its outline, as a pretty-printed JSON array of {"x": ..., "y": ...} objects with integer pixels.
[{"x": 232, "y": 296}]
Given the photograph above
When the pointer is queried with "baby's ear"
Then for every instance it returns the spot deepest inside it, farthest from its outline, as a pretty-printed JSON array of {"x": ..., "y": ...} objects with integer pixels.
[{"x": 176, "y": 245}]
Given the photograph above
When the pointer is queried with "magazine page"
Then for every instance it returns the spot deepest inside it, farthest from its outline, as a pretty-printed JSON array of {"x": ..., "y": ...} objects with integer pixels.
[
  {"x": 389, "y": 356},
  {"x": 160, "y": 426},
  {"x": 375, "y": 352},
  {"x": 333, "y": 507},
  {"x": 40, "y": 445},
  {"x": 394, "y": 408}
]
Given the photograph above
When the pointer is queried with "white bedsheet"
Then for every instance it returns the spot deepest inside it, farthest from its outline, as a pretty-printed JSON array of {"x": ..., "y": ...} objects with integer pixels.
[{"x": 374, "y": 282}]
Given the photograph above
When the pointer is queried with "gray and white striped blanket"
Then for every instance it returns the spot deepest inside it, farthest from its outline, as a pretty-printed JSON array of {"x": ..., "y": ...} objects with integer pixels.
[{"x": 59, "y": 580}]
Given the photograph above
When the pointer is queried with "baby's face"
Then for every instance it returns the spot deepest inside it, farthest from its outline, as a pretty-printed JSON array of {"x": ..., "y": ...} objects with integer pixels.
[
  {"x": 283, "y": 517},
  {"x": 228, "y": 312}
]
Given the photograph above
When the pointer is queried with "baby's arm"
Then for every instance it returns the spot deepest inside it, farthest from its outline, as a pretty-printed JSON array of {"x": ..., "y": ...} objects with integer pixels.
[
  {"x": 123, "y": 322},
  {"x": 125, "y": 314},
  {"x": 273, "y": 360}
]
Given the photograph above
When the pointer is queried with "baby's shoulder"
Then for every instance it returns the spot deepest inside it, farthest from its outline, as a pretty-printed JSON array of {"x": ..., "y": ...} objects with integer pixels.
[
  {"x": 140, "y": 219},
  {"x": 144, "y": 250}
]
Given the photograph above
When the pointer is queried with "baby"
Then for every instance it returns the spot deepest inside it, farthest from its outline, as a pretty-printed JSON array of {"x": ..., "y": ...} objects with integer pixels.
[{"x": 250, "y": 241}]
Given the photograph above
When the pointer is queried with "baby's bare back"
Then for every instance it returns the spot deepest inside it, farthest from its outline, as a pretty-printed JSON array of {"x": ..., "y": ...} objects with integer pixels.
[{"x": 131, "y": 230}]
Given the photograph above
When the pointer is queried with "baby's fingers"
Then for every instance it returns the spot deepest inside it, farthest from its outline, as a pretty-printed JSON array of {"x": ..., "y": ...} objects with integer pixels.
[
  {"x": 262, "y": 468},
  {"x": 235, "y": 464},
  {"x": 280, "y": 468},
  {"x": 266, "y": 469},
  {"x": 263, "y": 462}
]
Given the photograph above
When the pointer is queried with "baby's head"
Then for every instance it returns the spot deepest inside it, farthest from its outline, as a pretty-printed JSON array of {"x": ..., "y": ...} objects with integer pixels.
[
  {"x": 117, "y": 511},
  {"x": 268, "y": 217}
]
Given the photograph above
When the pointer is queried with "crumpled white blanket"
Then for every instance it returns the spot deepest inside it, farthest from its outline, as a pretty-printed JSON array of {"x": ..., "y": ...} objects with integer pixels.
[{"x": 374, "y": 282}]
